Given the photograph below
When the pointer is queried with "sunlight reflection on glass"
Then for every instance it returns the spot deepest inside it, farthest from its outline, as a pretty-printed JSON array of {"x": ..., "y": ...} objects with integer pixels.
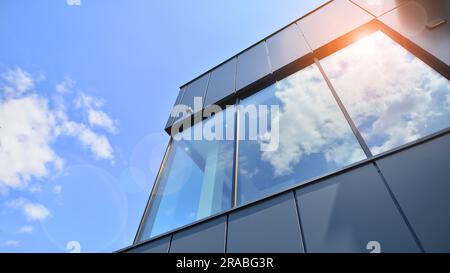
[{"x": 392, "y": 96}]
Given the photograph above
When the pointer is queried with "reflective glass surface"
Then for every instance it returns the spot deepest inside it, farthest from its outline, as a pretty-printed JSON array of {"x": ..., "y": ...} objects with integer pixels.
[
  {"x": 331, "y": 21},
  {"x": 221, "y": 84},
  {"x": 392, "y": 96},
  {"x": 196, "y": 181},
  {"x": 314, "y": 138},
  {"x": 252, "y": 65},
  {"x": 286, "y": 46}
]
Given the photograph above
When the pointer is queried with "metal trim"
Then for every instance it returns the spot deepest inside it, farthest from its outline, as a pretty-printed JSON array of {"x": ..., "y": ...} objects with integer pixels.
[
  {"x": 344, "y": 111},
  {"x": 152, "y": 192},
  {"x": 300, "y": 226},
  {"x": 236, "y": 154}
]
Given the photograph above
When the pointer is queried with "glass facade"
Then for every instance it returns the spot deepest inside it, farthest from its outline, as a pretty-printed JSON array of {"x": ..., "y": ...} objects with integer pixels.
[
  {"x": 314, "y": 137},
  {"x": 196, "y": 181},
  {"x": 391, "y": 97}
]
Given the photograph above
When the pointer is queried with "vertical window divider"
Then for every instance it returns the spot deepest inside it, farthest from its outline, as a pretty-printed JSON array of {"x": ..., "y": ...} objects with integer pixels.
[
  {"x": 236, "y": 155},
  {"x": 341, "y": 105}
]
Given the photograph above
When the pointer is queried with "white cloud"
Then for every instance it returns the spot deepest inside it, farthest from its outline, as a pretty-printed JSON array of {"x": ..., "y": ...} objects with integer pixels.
[
  {"x": 17, "y": 82},
  {"x": 26, "y": 137},
  {"x": 65, "y": 86},
  {"x": 73, "y": 2},
  {"x": 84, "y": 100},
  {"x": 36, "y": 211},
  {"x": 101, "y": 119},
  {"x": 96, "y": 117},
  {"x": 35, "y": 188},
  {"x": 57, "y": 189},
  {"x": 26, "y": 229},
  {"x": 32, "y": 211},
  {"x": 98, "y": 144},
  {"x": 29, "y": 128},
  {"x": 12, "y": 243}
]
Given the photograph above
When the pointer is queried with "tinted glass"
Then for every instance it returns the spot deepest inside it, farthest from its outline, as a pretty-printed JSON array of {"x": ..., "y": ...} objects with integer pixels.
[
  {"x": 196, "y": 181},
  {"x": 314, "y": 136},
  {"x": 221, "y": 83},
  {"x": 392, "y": 96},
  {"x": 286, "y": 46},
  {"x": 333, "y": 20},
  {"x": 252, "y": 65},
  {"x": 196, "y": 88}
]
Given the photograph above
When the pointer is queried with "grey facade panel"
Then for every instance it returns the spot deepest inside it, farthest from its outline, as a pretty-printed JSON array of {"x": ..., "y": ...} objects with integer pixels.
[
  {"x": 157, "y": 246},
  {"x": 252, "y": 65},
  {"x": 419, "y": 179},
  {"x": 331, "y": 22},
  {"x": 197, "y": 88},
  {"x": 208, "y": 237},
  {"x": 378, "y": 8},
  {"x": 346, "y": 212},
  {"x": 221, "y": 84},
  {"x": 270, "y": 226},
  {"x": 420, "y": 21},
  {"x": 286, "y": 46}
]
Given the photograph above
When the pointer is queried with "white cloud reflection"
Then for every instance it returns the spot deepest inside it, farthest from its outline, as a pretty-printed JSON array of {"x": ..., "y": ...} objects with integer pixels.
[
  {"x": 392, "y": 96},
  {"x": 448, "y": 102},
  {"x": 310, "y": 123}
]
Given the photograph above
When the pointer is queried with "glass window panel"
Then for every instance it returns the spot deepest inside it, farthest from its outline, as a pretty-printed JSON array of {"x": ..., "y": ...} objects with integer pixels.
[
  {"x": 314, "y": 136},
  {"x": 392, "y": 96},
  {"x": 196, "y": 181}
]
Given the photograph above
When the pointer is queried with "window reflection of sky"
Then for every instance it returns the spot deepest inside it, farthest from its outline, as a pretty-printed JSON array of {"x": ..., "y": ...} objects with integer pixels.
[
  {"x": 314, "y": 136},
  {"x": 392, "y": 96},
  {"x": 196, "y": 182}
]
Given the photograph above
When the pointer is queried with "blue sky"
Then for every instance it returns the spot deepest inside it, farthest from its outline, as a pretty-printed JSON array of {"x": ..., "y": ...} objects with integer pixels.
[{"x": 85, "y": 91}]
